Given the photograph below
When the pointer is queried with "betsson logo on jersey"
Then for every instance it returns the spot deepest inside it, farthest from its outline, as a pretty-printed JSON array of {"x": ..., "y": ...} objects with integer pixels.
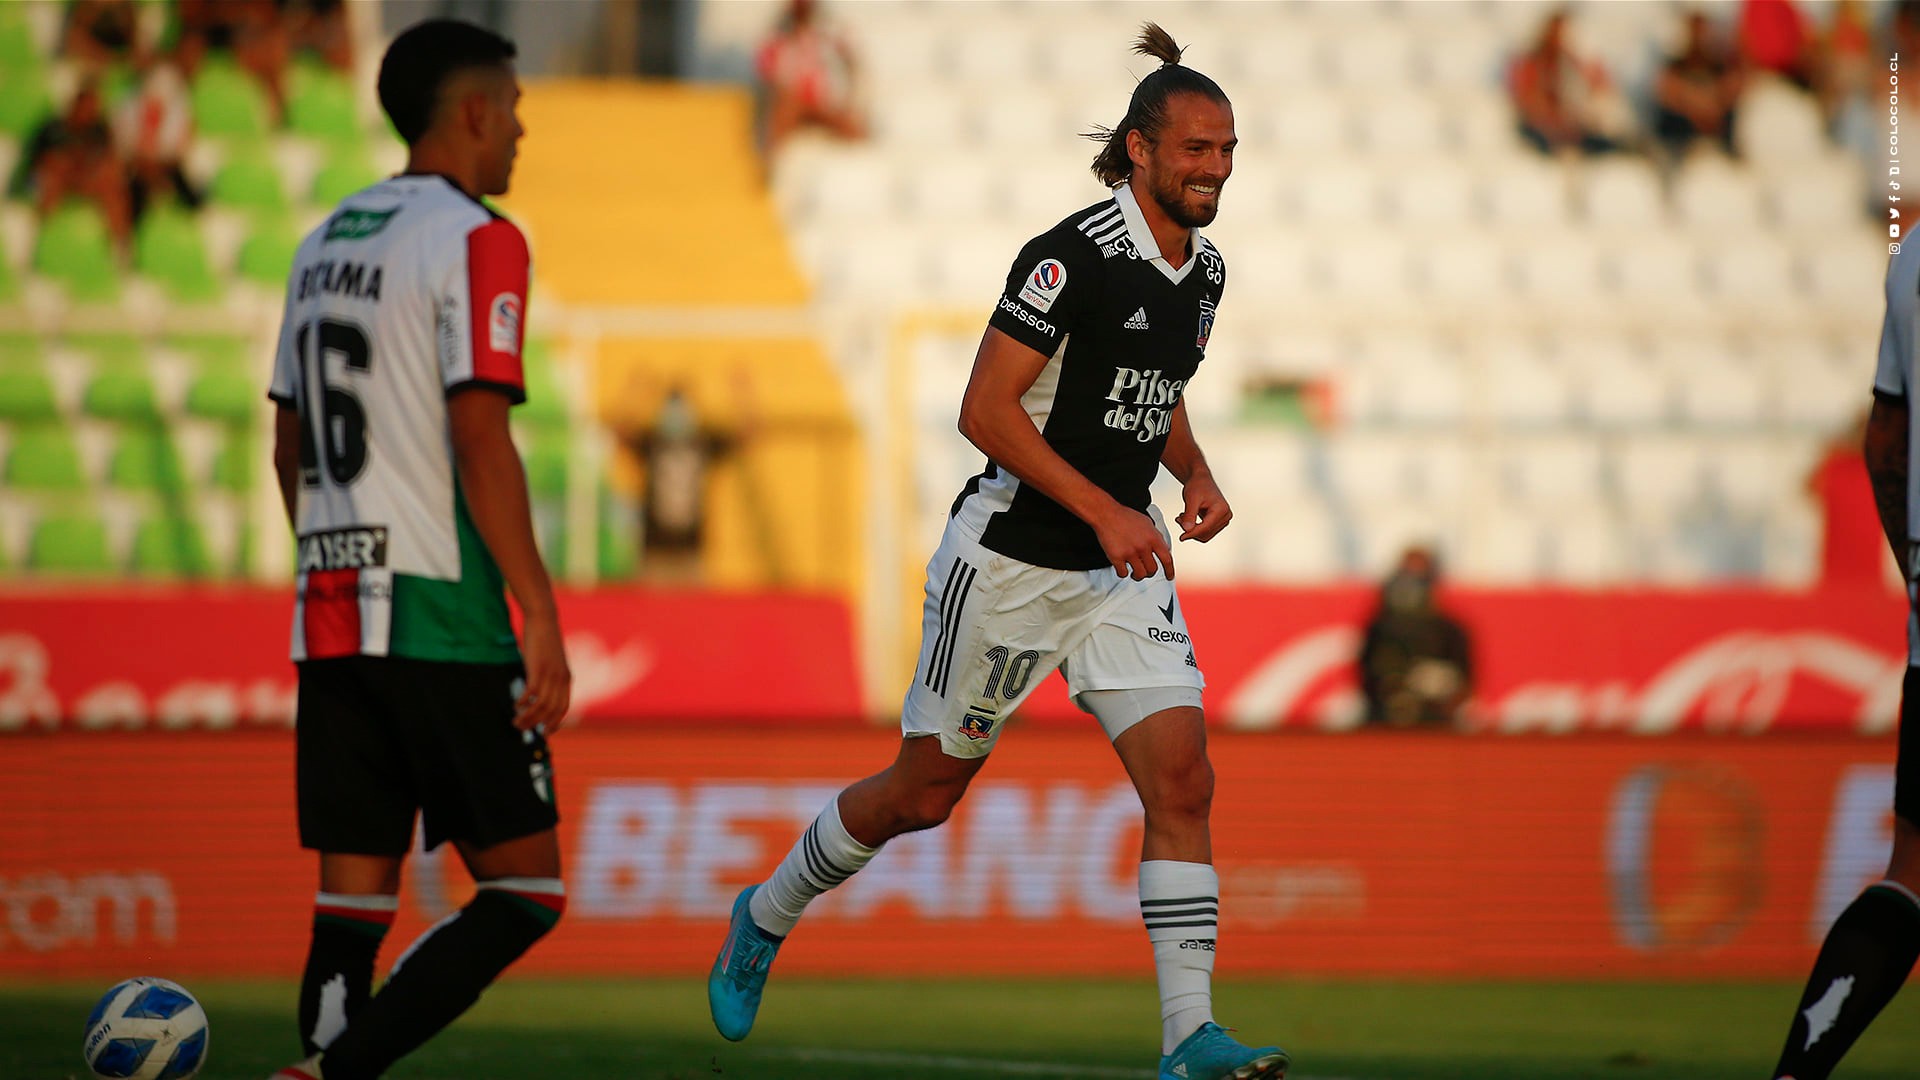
[
  {"x": 1026, "y": 316},
  {"x": 503, "y": 324},
  {"x": 1146, "y": 402},
  {"x": 1044, "y": 284}
]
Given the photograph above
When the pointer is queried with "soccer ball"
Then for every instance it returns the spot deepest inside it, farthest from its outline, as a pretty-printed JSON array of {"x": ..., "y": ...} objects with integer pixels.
[{"x": 146, "y": 1029}]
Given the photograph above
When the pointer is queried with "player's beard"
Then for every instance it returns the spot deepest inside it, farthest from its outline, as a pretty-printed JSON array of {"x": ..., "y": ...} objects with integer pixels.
[{"x": 1185, "y": 208}]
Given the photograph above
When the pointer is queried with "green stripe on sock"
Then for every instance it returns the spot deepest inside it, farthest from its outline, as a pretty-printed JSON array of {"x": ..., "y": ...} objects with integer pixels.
[
  {"x": 546, "y": 915},
  {"x": 368, "y": 927}
]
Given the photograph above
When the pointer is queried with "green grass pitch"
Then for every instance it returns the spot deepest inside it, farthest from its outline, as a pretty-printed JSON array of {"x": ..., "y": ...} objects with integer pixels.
[{"x": 932, "y": 1029}]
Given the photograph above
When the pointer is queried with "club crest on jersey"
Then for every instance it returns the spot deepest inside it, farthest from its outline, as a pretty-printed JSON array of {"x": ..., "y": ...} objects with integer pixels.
[
  {"x": 503, "y": 324},
  {"x": 1206, "y": 324},
  {"x": 1044, "y": 284},
  {"x": 977, "y": 725}
]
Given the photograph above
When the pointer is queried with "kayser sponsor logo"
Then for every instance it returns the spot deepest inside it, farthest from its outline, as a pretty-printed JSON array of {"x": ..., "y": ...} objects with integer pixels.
[{"x": 353, "y": 548}]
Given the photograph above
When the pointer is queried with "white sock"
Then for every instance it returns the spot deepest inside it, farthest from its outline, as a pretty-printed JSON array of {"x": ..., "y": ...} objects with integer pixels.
[
  {"x": 824, "y": 856},
  {"x": 1180, "y": 902}
]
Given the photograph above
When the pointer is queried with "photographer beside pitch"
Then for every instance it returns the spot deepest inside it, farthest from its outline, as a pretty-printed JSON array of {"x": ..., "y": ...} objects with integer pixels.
[
  {"x": 1055, "y": 557},
  {"x": 399, "y": 358}
]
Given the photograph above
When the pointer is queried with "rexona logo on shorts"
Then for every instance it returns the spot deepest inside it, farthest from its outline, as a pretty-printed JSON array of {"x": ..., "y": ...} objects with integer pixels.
[
  {"x": 358, "y": 224},
  {"x": 503, "y": 324},
  {"x": 356, "y": 548},
  {"x": 1044, "y": 284}
]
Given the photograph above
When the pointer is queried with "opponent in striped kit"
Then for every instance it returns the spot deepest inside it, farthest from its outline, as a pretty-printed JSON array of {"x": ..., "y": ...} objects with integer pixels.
[
  {"x": 1054, "y": 557},
  {"x": 399, "y": 357},
  {"x": 1872, "y": 946}
]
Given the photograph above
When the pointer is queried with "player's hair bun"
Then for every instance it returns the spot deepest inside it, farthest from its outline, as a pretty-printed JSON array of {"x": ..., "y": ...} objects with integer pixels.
[{"x": 1158, "y": 44}]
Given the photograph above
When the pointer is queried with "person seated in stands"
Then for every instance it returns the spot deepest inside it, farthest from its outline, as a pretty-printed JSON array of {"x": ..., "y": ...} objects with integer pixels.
[
  {"x": 1774, "y": 38},
  {"x": 152, "y": 128},
  {"x": 1847, "y": 66},
  {"x": 72, "y": 155},
  {"x": 100, "y": 32},
  {"x": 321, "y": 27},
  {"x": 253, "y": 32},
  {"x": 1697, "y": 91},
  {"x": 1565, "y": 103},
  {"x": 807, "y": 70},
  {"x": 1416, "y": 663}
]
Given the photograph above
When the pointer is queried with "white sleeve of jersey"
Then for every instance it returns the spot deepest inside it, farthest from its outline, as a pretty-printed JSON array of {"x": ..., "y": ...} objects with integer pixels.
[
  {"x": 1895, "y": 370},
  {"x": 286, "y": 363}
]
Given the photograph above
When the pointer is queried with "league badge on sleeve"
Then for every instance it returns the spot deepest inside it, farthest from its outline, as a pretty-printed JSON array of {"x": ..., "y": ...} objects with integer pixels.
[
  {"x": 503, "y": 324},
  {"x": 1206, "y": 324},
  {"x": 1043, "y": 286}
]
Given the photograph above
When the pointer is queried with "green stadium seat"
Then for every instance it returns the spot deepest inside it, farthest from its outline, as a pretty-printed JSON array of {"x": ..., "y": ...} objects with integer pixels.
[
  {"x": 249, "y": 181},
  {"x": 211, "y": 350},
  {"x": 169, "y": 249},
  {"x": 233, "y": 464},
  {"x": 224, "y": 393},
  {"x": 170, "y": 547},
  {"x": 266, "y": 256},
  {"x": 546, "y": 405},
  {"x": 227, "y": 103},
  {"x": 24, "y": 101},
  {"x": 619, "y": 543},
  {"x": 26, "y": 393},
  {"x": 20, "y": 349},
  {"x": 44, "y": 458},
  {"x": 75, "y": 249},
  {"x": 320, "y": 105},
  {"x": 70, "y": 544},
  {"x": 547, "y": 467},
  {"x": 347, "y": 170},
  {"x": 19, "y": 53},
  {"x": 120, "y": 392},
  {"x": 145, "y": 460},
  {"x": 109, "y": 349}
]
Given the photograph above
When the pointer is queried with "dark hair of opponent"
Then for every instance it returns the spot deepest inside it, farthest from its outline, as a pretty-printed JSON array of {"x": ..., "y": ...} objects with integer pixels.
[
  {"x": 1147, "y": 110},
  {"x": 419, "y": 62}
]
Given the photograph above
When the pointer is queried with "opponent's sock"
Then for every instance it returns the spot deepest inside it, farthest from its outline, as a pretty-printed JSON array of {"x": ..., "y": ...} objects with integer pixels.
[
  {"x": 441, "y": 975},
  {"x": 1180, "y": 902},
  {"x": 347, "y": 931},
  {"x": 1867, "y": 955},
  {"x": 824, "y": 856}
]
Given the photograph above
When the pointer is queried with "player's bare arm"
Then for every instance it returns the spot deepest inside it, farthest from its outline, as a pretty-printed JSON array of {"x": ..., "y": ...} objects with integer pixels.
[
  {"x": 1205, "y": 511},
  {"x": 992, "y": 419},
  {"x": 286, "y": 459},
  {"x": 495, "y": 485},
  {"x": 1886, "y": 453}
]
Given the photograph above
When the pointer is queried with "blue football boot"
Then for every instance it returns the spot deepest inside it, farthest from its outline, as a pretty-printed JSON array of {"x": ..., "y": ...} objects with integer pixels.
[
  {"x": 740, "y": 971},
  {"x": 1212, "y": 1054}
]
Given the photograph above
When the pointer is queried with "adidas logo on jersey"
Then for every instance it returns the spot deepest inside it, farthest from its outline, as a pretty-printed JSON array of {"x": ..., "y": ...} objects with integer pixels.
[{"x": 1139, "y": 320}]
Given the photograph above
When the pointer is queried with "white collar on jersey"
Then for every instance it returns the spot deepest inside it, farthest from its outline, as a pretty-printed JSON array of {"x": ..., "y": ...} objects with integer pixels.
[{"x": 1143, "y": 240}]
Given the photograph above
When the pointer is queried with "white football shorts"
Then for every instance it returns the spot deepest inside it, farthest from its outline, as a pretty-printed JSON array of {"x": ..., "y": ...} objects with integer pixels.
[{"x": 992, "y": 628}]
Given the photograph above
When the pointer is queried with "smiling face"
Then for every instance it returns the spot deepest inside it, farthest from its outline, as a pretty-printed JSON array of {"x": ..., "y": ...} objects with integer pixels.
[{"x": 1184, "y": 168}]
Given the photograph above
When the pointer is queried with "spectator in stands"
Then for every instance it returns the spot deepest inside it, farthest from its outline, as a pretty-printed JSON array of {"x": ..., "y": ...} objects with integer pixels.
[
  {"x": 101, "y": 32},
  {"x": 1852, "y": 550},
  {"x": 1847, "y": 66},
  {"x": 1416, "y": 663},
  {"x": 1774, "y": 37},
  {"x": 1697, "y": 91},
  {"x": 253, "y": 32},
  {"x": 1565, "y": 102},
  {"x": 72, "y": 156},
  {"x": 152, "y": 129},
  {"x": 808, "y": 72},
  {"x": 321, "y": 27},
  {"x": 678, "y": 451}
]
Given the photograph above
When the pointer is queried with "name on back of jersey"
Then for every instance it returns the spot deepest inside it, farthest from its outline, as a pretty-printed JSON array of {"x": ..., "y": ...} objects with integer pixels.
[
  {"x": 1146, "y": 398},
  {"x": 359, "y": 547},
  {"x": 340, "y": 277}
]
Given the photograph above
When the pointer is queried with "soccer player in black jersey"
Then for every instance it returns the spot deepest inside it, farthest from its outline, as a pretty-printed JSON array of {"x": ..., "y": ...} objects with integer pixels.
[{"x": 1054, "y": 557}]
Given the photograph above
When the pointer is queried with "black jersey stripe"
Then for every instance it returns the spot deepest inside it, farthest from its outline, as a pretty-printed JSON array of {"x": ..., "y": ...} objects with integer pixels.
[
  {"x": 931, "y": 679},
  {"x": 1108, "y": 211},
  {"x": 952, "y": 634}
]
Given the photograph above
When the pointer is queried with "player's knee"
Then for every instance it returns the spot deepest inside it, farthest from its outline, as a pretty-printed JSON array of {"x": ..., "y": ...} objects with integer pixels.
[
  {"x": 1184, "y": 790},
  {"x": 929, "y": 807}
]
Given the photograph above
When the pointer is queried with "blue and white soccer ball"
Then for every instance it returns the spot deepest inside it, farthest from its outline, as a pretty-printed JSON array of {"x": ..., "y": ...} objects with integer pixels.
[{"x": 146, "y": 1029}]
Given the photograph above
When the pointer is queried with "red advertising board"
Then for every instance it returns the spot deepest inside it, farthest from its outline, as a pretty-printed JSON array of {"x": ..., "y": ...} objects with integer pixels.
[
  {"x": 1649, "y": 662},
  {"x": 1374, "y": 853}
]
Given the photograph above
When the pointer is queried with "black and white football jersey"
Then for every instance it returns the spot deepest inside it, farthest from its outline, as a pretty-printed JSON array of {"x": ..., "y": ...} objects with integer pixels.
[{"x": 1125, "y": 331}]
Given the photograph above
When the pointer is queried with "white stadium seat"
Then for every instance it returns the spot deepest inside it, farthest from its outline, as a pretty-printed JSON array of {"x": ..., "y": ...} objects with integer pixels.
[
  {"x": 1503, "y": 544},
  {"x": 1520, "y": 388},
  {"x": 1531, "y": 193},
  {"x": 1819, "y": 196},
  {"x": 1658, "y": 471},
  {"x": 1548, "y": 471},
  {"x": 1751, "y": 272},
  {"x": 1778, "y": 125},
  {"x": 1465, "y": 55},
  {"x": 1462, "y": 269},
  {"x": 1343, "y": 193},
  {"x": 1622, "y": 192},
  {"x": 1717, "y": 391},
  {"x": 1712, "y": 194},
  {"x": 1410, "y": 123},
  {"x": 1433, "y": 193},
  {"x": 1303, "y": 124},
  {"x": 1586, "y": 546}
]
